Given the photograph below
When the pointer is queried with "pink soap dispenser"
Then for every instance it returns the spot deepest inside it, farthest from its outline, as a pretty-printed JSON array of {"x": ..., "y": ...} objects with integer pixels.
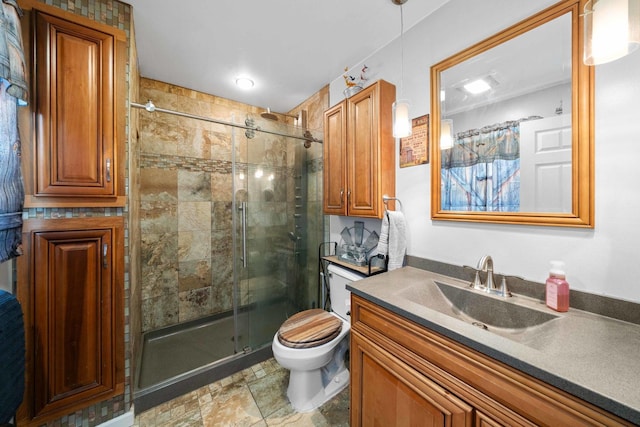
[{"x": 557, "y": 288}]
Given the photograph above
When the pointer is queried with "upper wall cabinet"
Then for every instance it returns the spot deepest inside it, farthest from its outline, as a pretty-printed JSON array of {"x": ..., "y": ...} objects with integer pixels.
[
  {"x": 78, "y": 74},
  {"x": 359, "y": 153}
]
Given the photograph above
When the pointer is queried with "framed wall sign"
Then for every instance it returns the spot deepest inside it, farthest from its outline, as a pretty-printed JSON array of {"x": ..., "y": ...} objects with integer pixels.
[{"x": 414, "y": 149}]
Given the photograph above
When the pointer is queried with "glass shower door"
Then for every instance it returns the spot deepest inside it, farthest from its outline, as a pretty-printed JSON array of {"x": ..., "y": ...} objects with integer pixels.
[{"x": 264, "y": 249}]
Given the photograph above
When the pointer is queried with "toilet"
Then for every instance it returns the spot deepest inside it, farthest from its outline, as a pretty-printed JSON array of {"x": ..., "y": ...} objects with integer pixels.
[{"x": 313, "y": 345}]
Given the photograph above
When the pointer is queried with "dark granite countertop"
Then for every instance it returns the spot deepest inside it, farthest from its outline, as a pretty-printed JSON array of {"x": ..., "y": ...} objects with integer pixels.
[{"x": 593, "y": 357}]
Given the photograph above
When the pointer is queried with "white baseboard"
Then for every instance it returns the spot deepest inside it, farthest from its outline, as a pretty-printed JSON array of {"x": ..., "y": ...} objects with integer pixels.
[{"x": 124, "y": 420}]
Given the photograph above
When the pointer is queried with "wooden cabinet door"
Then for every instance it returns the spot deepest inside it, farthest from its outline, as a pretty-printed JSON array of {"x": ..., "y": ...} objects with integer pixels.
[
  {"x": 75, "y": 101},
  {"x": 335, "y": 161},
  {"x": 362, "y": 154},
  {"x": 359, "y": 153},
  {"x": 75, "y": 352},
  {"x": 387, "y": 392}
]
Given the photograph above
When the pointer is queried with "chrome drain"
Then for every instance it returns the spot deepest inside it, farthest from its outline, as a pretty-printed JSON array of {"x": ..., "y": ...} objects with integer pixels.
[{"x": 480, "y": 325}]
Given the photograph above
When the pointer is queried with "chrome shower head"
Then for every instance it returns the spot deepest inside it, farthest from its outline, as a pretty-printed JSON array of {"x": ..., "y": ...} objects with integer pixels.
[
  {"x": 269, "y": 115},
  {"x": 272, "y": 116}
]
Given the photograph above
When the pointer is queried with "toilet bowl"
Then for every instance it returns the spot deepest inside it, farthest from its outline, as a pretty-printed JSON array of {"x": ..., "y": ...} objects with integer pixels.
[{"x": 313, "y": 346}]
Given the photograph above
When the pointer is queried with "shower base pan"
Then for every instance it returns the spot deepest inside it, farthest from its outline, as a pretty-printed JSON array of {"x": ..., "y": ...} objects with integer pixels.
[{"x": 182, "y": 358}]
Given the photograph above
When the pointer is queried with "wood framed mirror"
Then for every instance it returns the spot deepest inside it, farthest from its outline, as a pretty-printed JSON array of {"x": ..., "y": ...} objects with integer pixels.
[{"x": 522, "y": 150}]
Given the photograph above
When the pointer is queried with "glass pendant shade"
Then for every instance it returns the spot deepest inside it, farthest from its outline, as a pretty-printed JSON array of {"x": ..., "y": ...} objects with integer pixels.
[
  {"x": 401, "y": 120},
  {"x": 446, "y": 134},
  {"x": 612, "y": 30}
]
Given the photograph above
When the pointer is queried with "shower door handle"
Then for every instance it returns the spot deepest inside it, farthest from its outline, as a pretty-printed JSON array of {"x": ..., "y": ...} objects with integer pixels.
[{"x": 243, "y": 220}]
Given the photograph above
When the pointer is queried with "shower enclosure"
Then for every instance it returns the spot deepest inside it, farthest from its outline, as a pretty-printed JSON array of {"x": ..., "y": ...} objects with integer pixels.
[{"x": 248, "y": 228}]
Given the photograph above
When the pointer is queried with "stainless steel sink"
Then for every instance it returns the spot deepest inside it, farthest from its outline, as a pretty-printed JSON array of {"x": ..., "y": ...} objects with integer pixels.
[{"x": 518, "y": 318}]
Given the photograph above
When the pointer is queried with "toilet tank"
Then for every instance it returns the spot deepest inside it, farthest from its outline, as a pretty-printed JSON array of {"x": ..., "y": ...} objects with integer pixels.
[{"x": 339, "y": 278}]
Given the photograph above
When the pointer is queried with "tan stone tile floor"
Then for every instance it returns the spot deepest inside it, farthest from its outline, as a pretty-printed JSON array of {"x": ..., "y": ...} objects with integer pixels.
[{"x": 255, "y": 396}]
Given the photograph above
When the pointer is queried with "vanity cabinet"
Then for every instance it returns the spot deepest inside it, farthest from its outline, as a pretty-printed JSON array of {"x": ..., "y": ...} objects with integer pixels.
[
  {"x": 72, "y": 294},
  {"x": 77, "y": 103},
  {"x": 405, "y": 374},
  {"x": 359, "y": 153}
]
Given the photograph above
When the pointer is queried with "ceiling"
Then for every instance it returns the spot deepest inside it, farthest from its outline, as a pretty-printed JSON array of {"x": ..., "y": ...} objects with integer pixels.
[{"x": 290, "y": 48}]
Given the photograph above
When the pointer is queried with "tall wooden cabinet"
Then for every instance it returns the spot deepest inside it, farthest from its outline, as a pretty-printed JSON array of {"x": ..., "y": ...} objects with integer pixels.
[
  {"x": 77, "y": 102},
  {"x": 71, "y": 277},
  {"x": 72, "y": 293},
  {"x": 405, "y": 374},
  {"x": 359, "y": 153}
]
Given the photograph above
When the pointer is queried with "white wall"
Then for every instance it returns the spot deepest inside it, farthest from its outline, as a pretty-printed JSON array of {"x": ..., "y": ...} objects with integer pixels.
[{"x": 603, "y": 260}]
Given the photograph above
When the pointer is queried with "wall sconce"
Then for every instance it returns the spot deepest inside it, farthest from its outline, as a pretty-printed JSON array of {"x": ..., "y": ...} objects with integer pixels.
[
  {"x": 446, "y": 134},
  {"x": 401, "y": 120},
  {"x": 612, "y": 30}
]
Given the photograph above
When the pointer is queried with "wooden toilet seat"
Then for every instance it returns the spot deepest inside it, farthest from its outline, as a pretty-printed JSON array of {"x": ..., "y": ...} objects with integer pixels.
[{"x": 309, "y": 328}]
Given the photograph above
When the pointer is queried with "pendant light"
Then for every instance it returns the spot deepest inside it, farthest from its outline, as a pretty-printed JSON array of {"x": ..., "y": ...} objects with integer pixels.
[
  {"x": 446, "y": 134},
  {"x": 612, "y": 29},
  {"x": 401, "y": 119}
]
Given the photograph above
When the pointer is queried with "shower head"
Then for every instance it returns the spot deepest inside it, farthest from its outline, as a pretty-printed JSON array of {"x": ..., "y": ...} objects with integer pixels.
[
  {"x": 272, "y": 116},
  {"x": 269, "y": 115}
]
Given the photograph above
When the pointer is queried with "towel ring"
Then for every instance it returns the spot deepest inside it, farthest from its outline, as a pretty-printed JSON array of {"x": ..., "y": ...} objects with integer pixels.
[{"x": 385, "y": 200}]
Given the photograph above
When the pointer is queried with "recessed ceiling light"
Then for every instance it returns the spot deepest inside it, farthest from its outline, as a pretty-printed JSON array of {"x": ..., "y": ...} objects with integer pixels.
[
  {"x": 477, "y": 86},
  {"x": 244, "y": 83}
]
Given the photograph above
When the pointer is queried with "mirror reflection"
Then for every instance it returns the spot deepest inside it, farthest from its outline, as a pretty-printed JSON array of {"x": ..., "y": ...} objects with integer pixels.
[
  {"x": 507, "y": 145},
  {"x": 496, "y": 105}
]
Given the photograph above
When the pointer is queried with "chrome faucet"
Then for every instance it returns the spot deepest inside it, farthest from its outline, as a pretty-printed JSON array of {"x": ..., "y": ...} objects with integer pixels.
[{"x": 486, "y": 264}]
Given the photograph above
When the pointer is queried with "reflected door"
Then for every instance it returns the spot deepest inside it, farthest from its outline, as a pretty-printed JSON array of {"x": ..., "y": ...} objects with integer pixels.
[{"x": 545, "y": 161}]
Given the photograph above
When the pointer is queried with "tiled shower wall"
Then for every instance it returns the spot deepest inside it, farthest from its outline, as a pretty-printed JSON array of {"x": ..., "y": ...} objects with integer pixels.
[{"x": 186, "y": 192}]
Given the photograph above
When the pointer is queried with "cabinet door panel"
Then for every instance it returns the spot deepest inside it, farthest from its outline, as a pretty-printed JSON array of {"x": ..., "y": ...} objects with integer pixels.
[
  {"x": 73, "y": 327},
  {"x": 75, "y": 88},
  {"x": 335, "y": 160},
  {"x": 387, "y": 392},
  {"x": 363, "y": 153}
]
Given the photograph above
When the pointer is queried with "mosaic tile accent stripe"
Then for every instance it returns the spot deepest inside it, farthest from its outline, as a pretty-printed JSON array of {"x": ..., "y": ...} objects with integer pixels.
[
  {"x": 109, "y": 12},
  {"x": 57, "y": 213},
  {"x": 196, "y": 164},
  {"x": 92, "y": 415}
]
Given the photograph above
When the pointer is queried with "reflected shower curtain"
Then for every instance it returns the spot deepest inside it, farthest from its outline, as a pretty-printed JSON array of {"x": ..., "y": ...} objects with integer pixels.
[
  {"x": 481, "y": 172},
  {"x": 11, "y": 189},
  {"x": 13, "y": 92}
]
